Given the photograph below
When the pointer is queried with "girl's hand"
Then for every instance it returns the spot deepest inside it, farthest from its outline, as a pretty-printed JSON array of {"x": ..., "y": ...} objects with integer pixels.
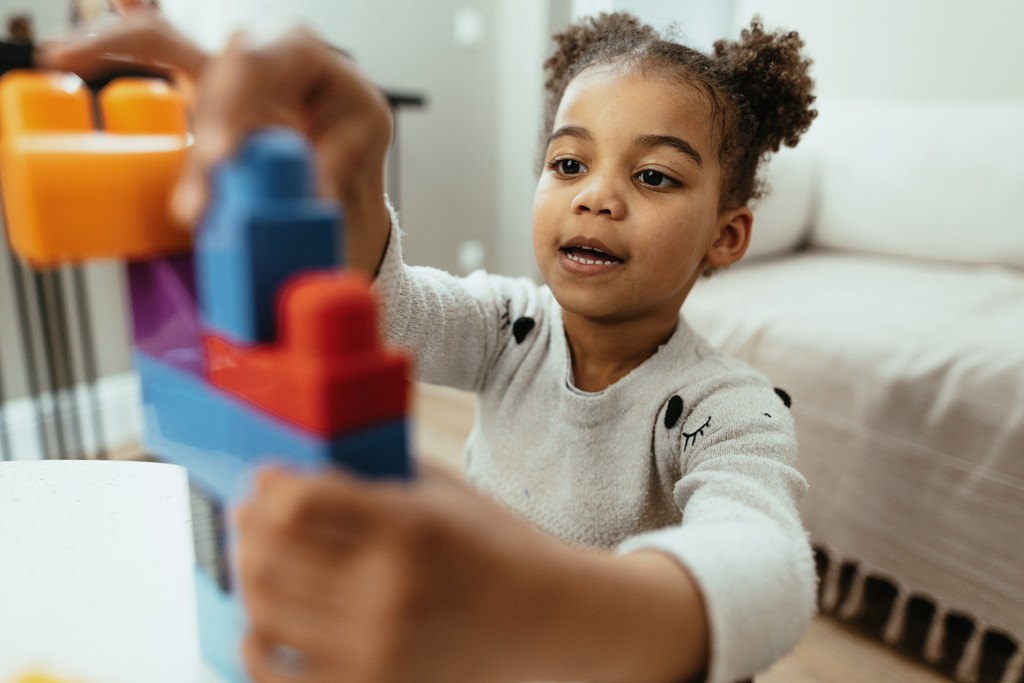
[
  {"x": 372, "y": 581},
  {"x": 143, "y": 39},
  {"x": 359, "y": 581},
  {"x": 294, "y": 80}
]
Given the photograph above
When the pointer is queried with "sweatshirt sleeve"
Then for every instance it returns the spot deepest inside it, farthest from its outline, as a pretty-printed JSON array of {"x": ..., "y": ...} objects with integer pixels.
[
  {"x": 741, "y": 537},
  {"x": 455, "y": 326}
]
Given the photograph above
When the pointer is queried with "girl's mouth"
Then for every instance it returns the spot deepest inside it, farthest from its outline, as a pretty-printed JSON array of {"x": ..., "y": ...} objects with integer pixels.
[{"x": 590, "y": 256}]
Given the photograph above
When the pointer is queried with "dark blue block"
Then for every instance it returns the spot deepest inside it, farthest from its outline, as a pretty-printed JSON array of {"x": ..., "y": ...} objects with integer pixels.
[{"x": 264, "y": 225}]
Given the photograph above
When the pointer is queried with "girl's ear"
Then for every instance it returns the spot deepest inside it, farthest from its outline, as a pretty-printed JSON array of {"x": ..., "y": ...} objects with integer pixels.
[{"x": 733, "y": 238}]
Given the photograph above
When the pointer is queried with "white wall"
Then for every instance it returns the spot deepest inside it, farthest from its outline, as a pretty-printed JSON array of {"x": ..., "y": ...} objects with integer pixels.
[
  {"x": 898, "y": 49},
  {"x": 521, "y": 51},
  {"x": 699, "y": 22},
  {"x": 905, "y": 49},
  {"x": 48, "y": 16}
]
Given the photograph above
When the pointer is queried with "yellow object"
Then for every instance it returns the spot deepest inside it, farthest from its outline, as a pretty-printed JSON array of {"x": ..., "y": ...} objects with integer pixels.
[
  {"x": 73, "y": 193},
  {"x": 40, "y": 678}
]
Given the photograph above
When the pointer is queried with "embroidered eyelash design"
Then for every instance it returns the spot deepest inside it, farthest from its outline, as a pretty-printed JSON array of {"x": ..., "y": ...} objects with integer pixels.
[
  {"x": 691, "y": 438},
  {"x": 506, "y": 317}
]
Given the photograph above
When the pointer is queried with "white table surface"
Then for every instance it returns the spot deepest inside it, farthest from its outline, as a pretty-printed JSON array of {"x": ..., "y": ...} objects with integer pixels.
[{"x": 97, "y": 573}]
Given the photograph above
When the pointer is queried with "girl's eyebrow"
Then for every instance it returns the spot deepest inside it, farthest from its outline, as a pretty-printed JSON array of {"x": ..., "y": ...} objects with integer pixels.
[
  {"x": 578, "y": 132},
  {"x": 678, "y": 144}
]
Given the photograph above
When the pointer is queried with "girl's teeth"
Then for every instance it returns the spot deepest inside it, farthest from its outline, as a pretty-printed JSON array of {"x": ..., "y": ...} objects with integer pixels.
[{"x": 589, "y": 262}]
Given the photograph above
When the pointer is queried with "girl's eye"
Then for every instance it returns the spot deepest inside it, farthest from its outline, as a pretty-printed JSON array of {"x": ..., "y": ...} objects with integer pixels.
[
  {"x": 656, "y": 179},
  {"x": 568, "y": 166}
]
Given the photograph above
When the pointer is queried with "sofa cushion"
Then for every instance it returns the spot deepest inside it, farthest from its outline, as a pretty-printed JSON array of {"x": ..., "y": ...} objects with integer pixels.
[{"x": 939, "y": 181}]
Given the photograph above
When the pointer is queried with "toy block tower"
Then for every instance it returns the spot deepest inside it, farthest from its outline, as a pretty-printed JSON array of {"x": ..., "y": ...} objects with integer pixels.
[{"x": 253, "y": 348}]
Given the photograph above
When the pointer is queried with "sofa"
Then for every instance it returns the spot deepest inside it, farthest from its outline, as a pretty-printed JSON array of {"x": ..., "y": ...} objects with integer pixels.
[{"x": 884, "y": 291}]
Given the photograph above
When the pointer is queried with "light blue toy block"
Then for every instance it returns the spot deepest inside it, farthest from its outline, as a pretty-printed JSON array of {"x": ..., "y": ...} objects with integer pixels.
[
  {"x": 222, "y": 628},
  {"x": 264, "y": 226}
]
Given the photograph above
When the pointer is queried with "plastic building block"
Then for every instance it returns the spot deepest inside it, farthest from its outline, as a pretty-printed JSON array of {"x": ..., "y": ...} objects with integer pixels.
[
  {"x": 74, "y": 193},
  {"x": 222, "y": 622},
  {"x": 222, "y": 439},
  {"x": 263, "y": 226},
  {"x": 165, "y": 314},
  {"x": 324, "y": 377}
]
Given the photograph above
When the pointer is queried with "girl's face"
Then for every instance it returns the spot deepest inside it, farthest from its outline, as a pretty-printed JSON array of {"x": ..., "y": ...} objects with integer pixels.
[{"x": 625, "y": 216}]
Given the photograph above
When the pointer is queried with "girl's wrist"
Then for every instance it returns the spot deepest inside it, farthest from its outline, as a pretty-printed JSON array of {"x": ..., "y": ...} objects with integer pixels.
[
  {"x": 367, "y": 224},
  {"x": 638, "y": 617}
]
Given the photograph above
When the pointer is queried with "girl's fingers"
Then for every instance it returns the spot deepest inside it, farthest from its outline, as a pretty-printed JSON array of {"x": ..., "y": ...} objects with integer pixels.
[
  {"x": 302, "y": 624},
  {"x": 143, "y": 38},
  {"x": 240, "y": 93},
  {"x": 123, "y": 7},
  {"x": 298, "y": 565}
]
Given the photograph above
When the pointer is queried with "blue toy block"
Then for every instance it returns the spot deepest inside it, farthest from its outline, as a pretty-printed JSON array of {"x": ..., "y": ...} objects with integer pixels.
[{"x": 263, "y": 226}]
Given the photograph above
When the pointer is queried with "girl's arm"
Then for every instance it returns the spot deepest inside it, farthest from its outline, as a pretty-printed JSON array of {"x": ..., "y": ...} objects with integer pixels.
[
  {"x": 458, "y": 327},
  {"x": 429, "y": 581}
]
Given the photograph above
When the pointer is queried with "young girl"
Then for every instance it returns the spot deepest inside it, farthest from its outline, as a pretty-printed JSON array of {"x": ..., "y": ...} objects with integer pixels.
[{"x": 659, "y": 472}]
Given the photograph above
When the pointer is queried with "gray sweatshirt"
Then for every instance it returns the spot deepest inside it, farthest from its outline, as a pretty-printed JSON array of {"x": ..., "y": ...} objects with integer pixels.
[{"x": 692, "y": 453}]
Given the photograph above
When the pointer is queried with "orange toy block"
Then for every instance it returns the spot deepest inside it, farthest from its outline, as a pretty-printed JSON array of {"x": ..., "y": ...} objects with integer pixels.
[
  {"x": 75, "y": 193},
  {"x": 320, "y": 375}
]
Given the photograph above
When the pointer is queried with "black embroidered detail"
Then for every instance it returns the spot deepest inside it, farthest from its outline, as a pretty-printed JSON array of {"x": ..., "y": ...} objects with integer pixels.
[
  {"x": 767, "y": 414},
  {"x": 506, "y": 317},
  {"x": 521, "y": 328},
  {"x": 784, "y": 396},
  {"x": 691, "y": 438},
  {"x": 673, "y": 412}
]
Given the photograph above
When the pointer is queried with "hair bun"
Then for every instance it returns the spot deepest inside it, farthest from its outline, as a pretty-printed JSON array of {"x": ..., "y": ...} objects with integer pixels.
[{"x": 768, "y": 71}]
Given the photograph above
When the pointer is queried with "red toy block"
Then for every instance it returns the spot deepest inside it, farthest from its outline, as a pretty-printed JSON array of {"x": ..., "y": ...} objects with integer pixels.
[{"x": 320, "y": 375}]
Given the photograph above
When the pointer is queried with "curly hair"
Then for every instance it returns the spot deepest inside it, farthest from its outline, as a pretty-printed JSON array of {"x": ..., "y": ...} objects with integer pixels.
[{"x": 759, "y": 87}]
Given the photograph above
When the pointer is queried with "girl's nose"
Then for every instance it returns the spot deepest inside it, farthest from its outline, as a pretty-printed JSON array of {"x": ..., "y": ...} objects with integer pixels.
[{"x": 600, "y": 197}]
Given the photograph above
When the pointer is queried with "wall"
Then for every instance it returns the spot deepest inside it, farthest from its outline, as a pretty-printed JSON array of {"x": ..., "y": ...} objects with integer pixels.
[
  {"x": 50, "y": 17},
  {"x": 905, "y": 49},
  {"x": 896, "y": 49},
  {"x": 698, "y": 23}
]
